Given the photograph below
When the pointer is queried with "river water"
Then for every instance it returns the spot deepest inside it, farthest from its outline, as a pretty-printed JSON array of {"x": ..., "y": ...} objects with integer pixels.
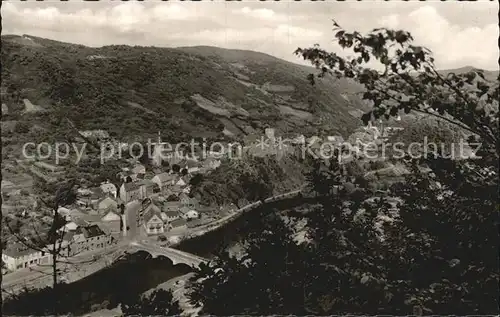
[{"x": 139, "y": 272}]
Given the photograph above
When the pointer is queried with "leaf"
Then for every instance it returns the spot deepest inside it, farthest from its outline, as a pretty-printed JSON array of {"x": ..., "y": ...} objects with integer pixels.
[{"x": 339, "y": 34}]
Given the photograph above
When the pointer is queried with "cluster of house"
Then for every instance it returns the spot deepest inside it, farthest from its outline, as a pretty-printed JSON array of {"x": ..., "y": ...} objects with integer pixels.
[
  {"x": 161, "y": 203},
  {"x": 93, "y": 224},
  {"x": 77, "y": 239}
]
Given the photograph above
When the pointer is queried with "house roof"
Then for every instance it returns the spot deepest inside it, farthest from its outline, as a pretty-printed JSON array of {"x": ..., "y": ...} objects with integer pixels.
[
  {"x": 150, "y": 212},
  {"x": 68, "y": 236},
  {"x": 171, "y": 205},
  {"x": 111, "y": 213},
  {"x": 91, "y": 231},
  {"x": 176, "y": 189},
  {"x": 107, "y": 198},
  {"x": 172, "y": 213},
  {"x": 131, "y": 186},
  {"x": 96, "y": 192},
  {"x": 146, "y": 182},
  {"x": 89, "y": 219},
  {"x": 18, "y": 249},
  {"x": 108, "y": 187},
  {"x": 138, "y": 168},
  {"x": 165, "y": 177},
  {"x": 80, "y": 222},
  {"x": 189, "y": 163},
  {"x": 178, "y": 223}
]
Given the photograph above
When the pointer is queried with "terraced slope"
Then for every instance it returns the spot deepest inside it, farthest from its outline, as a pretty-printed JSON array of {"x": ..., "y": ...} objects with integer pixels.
[{"x": 195, "y": 91}]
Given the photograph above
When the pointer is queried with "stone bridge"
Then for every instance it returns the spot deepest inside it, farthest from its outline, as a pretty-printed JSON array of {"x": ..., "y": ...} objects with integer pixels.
[{"x": 176, "y": 256}]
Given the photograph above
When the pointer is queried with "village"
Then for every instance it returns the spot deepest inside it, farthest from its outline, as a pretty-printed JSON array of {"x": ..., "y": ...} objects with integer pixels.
[
  {"x": 153, "y": 204},
  {"x": 150, "y": 204}
]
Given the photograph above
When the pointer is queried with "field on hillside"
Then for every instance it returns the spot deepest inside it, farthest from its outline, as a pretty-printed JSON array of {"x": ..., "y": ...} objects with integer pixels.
[{"x": 138, "y": 91}]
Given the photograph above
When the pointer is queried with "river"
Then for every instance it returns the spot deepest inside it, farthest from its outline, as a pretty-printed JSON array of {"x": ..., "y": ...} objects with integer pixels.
[{"x": 138, "y": 272}]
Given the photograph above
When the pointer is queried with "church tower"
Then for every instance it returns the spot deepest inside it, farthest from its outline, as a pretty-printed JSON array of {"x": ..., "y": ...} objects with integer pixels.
[{"x": 157, "y": 152}]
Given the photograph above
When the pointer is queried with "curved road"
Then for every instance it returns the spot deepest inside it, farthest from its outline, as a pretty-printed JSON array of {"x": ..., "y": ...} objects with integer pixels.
[{"x": 39, "y": 277}]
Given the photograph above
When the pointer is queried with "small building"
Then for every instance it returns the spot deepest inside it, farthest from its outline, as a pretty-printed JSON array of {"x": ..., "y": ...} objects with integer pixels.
[
  {"x": 180, "y": 182},
  {"x": 177, "y": 225},
  {"x": 163, "y": 180},
  {"x": 211, "y": 163},
  {"x": 93, "y": 238},
  {"x": 191, "y": 214},
  {"x": 106, "y": 203},
  {"x": 113, "y": 221},
  {"x": 5, "y": 109},
  {"x": 175, "y": 190},
  {"x": 19, "y": 256},
  {"x": 173, "y": 206},
  {"x": 170, "y": 216},
  {"x": 192, "y": 166},
  {"x": 131, "y": 191},
  {"x": 96, "y": 134},
  {"x": 139, "y": 169},
  {"x": 148, "y": 187},
  {"x": 88, "y": 197},
  {"x": 153, "y": 224},
  {"x": 183, "y": 211},
  {"x": 187, "y": 201},
  {"x": 69, "y": 226},
  {"x": 109, "y": 188}
]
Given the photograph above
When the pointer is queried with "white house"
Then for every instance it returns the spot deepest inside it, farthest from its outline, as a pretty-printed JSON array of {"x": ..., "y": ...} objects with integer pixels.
[
  {"x": 191, "y": 214},
  {"x": 169, "y": 216},
  {"x": 180, "y": 182},
  {"x": 191, "y": 165},
  {"x": 211, "y": 163},
  {"x": 106, "y": 203},
  {"x": 177, "y": 225},
  {"x": 132, "y": 191},
  {"x": 153, "y": 224},
  {"x": 112, "y": 220},
  {"x": 163, "y": 180},
  {"x": 109, "y": 188},
  {"x": 98, "y": 134},
  {"x": 69, "y": 226},
  {"x": 139, "y": 169},
  {"x": 5, "y": 109},
  {"x": 18, "y": 256}
]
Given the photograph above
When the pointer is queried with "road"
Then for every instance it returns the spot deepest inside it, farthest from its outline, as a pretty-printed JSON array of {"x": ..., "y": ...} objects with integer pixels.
[
  {"x": 80, "y": 266},
  {"x": 86, "y": 264}
]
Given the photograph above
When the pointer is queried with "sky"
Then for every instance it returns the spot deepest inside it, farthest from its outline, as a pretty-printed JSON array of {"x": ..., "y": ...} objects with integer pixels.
[{"x": 459, "y": 33}]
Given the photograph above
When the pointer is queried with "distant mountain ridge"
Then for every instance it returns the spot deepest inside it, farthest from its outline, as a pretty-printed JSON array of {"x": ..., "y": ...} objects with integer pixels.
[
  {"x": 189, "y": 91},
  {"x": 199, "y": 91}
]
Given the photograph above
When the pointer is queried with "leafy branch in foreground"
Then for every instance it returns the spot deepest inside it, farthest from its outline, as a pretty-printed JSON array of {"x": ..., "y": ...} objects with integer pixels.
[
  {"x": 51, "y": 242},
  {"x": 410, "y": 82}
]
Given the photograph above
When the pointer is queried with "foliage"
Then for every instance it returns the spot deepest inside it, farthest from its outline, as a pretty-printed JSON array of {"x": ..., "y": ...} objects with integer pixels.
[
  {"x": 96, "y": 93},
  {"x": 158, "y": 303},
  {"x": 261, "y": 282},
  {"x": 248, "y": 179},
  {"x": 427, "y": 245},
  {"x": 411, "y": 83}
]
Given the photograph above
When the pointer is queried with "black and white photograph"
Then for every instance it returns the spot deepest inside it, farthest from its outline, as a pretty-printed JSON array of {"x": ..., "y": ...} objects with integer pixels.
[{"x": 249, "y": 158}]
